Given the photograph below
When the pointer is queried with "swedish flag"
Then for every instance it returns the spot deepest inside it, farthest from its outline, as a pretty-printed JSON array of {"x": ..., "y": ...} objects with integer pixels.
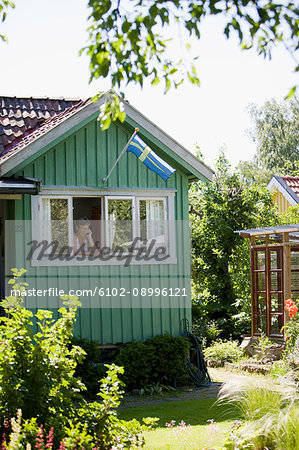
[{"x": 149, "y": 158}]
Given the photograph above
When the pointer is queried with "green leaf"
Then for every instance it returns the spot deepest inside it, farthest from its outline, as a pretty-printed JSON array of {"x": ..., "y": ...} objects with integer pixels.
[
  {"x": 155, "y": 81},
  {"x": 291, "y": 93}
]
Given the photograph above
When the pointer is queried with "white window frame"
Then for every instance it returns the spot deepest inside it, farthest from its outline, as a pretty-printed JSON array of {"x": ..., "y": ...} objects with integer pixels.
[
  {"x": 106, "y": 218},
  {"x": 37, "y": 216},
  {"x": 166, "y": 219},
  {"x": 135, "y": 196}
]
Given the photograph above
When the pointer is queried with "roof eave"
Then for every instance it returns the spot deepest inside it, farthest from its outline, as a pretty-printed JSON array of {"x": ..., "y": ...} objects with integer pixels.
[
  {"x": 193, "y": 166},
  {"x": 278, "y": 183}
]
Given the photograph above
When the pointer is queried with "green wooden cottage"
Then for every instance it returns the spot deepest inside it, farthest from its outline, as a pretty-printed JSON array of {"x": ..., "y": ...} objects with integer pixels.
[{"x": 53, "y": 162}]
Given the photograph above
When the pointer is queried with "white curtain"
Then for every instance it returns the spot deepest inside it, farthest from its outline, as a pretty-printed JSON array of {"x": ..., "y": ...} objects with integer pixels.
[
  {"x": 46, "y": 219},
  {"x": 111, "y": 229},
  {"x": 155, "y": 220}
]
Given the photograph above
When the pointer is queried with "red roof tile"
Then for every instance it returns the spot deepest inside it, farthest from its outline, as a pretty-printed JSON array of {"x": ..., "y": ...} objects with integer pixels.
[
  {"x": 31, "y": 135},
  {"x": 293, "y": 183},
  {"x": 19, "y": 115}
]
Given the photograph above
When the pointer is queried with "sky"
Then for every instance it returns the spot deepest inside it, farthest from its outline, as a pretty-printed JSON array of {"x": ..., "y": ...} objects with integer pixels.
[{"x": 42, "y": 58}]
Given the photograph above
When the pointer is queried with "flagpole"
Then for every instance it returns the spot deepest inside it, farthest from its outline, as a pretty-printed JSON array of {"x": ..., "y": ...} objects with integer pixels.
[{"x": 121, "y": 153}]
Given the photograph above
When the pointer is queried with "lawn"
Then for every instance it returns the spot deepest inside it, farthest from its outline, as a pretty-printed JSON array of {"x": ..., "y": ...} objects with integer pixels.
[{"x": 200, "y": 435}]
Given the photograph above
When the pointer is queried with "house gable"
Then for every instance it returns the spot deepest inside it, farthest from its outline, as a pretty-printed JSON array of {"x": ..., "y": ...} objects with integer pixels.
[
  {"x": 284, "y": 190},
  {"x": 167, "y": 147}
]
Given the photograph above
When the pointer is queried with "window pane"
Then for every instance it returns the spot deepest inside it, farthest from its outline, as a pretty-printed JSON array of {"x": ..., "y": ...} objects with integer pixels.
[
  {"x": 55, "y": 220},
  {"x": 90, "y": 209},
  {"x": 295, "y": 295},
  {"x": 152, "y": 221},
  {"x": 120, "y": 233},
  {"x": 275, "y": 259},
  {"x": 294, "y": 260},
  {"x": 276, "y": 281},
  {"x": 260, "y": 260},
  {"x": 260, "y": 303},
  {"x": 276, "y": 303},
  {"x": 276, "y": 324},
  {"x": 260, "y": 283},
  {"x": 295, "y": 281},
  {"x": 260, "y": 323}
]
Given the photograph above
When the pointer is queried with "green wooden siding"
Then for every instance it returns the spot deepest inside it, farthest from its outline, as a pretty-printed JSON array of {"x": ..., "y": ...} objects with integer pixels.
[{"x": 82, "y": 160}]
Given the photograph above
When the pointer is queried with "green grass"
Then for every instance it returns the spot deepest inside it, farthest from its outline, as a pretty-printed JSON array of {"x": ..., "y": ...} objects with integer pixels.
[{"x": 196, "y": 413}]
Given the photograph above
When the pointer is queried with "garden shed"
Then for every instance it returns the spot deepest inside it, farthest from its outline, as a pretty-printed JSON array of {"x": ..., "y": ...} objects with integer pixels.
[
  {"x": 57, "y": 148},
  {"x": 274, "y": 276}
]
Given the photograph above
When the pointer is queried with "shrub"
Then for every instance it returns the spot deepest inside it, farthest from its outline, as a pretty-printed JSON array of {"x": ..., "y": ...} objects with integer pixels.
[
  {"x": 37, "y": 381},
  {"x": 169, "y": 358},
  {"x": 224, "y": 351},
  {"x": 138, "y": 361},
  {"x": 160, "y": 359},
  {"x": 91, "y": 369},
  {"x": 37, "y": 370},
  {"x": 95, "y": 425}
]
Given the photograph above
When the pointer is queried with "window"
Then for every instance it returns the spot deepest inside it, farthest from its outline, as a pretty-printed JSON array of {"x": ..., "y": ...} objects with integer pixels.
[
  {"x": 267, "y": 291},
  {"x": 119, "y": 223},
  {"x": 295, "y": 273},
  {"x": 81, "y": 225}
]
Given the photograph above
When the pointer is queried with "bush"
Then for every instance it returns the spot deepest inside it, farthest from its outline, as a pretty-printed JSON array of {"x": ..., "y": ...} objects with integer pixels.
[
  {"x": 91, "y": 369},
  {"x": 38, "y": 385},
  {"x": 224, "y": 351},
  {"x": 157, "y": 360},
  {"x": 37, "y": 370},
  {"x": 95, "y": 425}
]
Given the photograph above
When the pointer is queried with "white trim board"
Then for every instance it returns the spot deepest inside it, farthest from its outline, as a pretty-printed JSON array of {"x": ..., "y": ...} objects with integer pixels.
[{"x": 82, "y": 191}]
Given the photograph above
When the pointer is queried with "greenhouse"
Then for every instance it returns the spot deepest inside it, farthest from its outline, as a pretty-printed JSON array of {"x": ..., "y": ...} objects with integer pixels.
[{"x": 274, "y": 276}]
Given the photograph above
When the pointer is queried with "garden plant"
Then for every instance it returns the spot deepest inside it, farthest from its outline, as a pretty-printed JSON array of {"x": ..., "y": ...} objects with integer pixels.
[{"x": 41, "y": 402}]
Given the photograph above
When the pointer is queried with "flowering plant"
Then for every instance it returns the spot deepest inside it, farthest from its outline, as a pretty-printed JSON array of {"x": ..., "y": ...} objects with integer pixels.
[
  {"x": 292, "y": 326},
  {"x": 291, "y": 307}
]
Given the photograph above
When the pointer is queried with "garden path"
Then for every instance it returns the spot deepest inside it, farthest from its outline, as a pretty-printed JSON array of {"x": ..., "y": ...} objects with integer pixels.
[{"x": 218, "y": 376}]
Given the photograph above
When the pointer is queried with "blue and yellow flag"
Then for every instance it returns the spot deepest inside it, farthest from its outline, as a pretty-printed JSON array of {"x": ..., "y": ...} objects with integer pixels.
[{"x": 149, "y": 158}]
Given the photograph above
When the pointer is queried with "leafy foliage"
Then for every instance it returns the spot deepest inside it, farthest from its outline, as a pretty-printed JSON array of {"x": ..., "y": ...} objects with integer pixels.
[
  {"x": 4, "y": 4},
  {"x": 251, "y": 173},
  {"x": 101, "y": 420},
  {"x": 160, "y": 359},
  {"x": 95, "y": 425},
  {"x": 224, "y": 351},
  {"x": 290, "y": 216},
  {"x": 91, "y": 369},
  {"x": 37, "y": 370},
  {"x": 291, "y": 327},
  {"x": 38, "y": 382},
  {"x": 276, "y": 134},
  {"x": 128, "y": 40},
  {"x": 221, "y": 265}
]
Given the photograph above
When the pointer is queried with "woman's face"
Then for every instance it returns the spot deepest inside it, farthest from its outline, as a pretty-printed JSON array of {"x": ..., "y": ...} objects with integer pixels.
[{"x": 83, "y": 230}]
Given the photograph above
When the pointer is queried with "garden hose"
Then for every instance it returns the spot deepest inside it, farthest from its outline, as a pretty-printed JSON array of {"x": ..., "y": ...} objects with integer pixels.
[{"x": 195, "y": 365}]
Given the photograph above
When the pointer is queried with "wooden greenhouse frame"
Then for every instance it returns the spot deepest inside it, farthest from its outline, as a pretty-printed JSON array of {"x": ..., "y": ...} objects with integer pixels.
[{"x": 274, "y": 255}]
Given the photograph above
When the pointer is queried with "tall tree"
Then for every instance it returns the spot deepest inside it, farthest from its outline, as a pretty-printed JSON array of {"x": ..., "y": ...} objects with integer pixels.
[
  {"x": 276, "y": 134},
  {"x": 221, "y": 267},
  {"x": 252, "y": 173}
]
